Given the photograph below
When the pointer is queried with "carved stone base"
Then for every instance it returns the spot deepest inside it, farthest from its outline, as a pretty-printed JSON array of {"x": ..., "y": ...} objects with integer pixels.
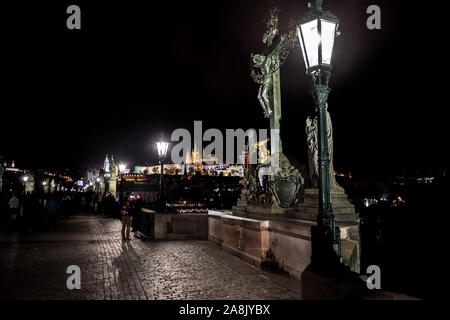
[
  {"x": 259, "y": 209},
  {"x": 343, "y": 210},
  {"x": 284, "y": 179}
]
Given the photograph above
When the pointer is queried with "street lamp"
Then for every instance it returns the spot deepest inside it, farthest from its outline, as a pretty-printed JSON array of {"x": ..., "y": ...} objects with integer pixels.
[
  {"x": 162, "y": 152},
  {"x": 25, "y": 179},
  {"x": 316, "y": 33}
]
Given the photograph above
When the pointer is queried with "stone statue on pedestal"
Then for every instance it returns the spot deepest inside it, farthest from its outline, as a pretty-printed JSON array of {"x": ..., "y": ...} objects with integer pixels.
[
  {"x": 313, "y": 152},
  {"x": 312, "y": 134},
  {"x": 113, "y": 172}
]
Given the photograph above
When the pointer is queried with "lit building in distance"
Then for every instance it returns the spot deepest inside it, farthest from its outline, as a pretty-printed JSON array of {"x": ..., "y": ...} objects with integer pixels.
[{"x": 195, "y": 164}]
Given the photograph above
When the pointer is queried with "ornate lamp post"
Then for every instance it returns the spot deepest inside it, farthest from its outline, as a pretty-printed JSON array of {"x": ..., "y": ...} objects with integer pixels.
[
  {"x": 316, "y": 33},
  {"x": 162, "y": 152}
]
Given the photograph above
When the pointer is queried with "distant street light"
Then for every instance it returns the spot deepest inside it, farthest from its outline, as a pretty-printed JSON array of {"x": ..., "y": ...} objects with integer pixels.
[
  {"x": 316, "y": 33},
  {"x": 162, "y": 152},
  {"x": 25, "y": 178}
]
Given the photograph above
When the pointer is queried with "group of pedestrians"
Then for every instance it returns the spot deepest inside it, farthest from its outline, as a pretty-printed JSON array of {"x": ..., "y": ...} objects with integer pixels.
[
  {"x": 25, "y": 212},
  {"x": 92, "y": 202},
  {"x": 28, "y": 212}
]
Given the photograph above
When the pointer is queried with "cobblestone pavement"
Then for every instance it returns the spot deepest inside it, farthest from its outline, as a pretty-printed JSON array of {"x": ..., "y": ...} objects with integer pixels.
[{"x": 33, "y": 266}]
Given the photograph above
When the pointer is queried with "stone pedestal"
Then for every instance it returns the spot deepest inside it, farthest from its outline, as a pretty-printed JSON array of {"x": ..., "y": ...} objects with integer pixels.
[
  {"x": 346, "y": 219},
  {"x": 343, "y": 210}
]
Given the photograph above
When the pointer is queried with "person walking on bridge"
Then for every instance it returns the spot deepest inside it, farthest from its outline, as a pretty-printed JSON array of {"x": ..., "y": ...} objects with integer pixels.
[
  {"x": 127, "y": 217},
  {"x": 52, "y": 207},
  {"x": 14, "y": 205}
]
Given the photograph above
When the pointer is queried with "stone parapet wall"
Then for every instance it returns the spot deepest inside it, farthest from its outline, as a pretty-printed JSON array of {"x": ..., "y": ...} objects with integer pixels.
[
  {"x": 262, "y": 241},
  {"x": 285, "y": 243},
  {"x": 290, "y": 245},
  {"x": 178, "y": 226}
]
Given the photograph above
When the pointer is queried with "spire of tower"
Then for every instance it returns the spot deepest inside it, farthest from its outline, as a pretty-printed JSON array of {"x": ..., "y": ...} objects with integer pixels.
[{"x": 106, "y": 164}]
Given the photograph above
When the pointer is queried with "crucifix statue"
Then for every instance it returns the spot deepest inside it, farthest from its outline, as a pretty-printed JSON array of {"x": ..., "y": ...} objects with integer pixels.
[{"x": 265, "y": 70}]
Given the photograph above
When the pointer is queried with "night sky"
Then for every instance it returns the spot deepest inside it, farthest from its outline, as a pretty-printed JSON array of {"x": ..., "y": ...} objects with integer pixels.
[{"x": 137, "y": 68}]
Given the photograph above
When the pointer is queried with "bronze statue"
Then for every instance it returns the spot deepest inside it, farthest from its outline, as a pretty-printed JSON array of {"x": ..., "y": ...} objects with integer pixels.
[
  {"x": 265, "y": 69},
  {"x": 267, "y": 66},
  {"x": 272, "y": 26}
]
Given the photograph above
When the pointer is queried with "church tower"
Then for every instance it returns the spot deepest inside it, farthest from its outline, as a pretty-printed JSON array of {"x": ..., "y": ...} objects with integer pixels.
[{"x": 106, "y": 166}]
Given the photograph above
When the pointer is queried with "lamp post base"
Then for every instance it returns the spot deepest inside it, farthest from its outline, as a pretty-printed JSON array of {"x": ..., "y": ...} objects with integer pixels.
[
  {"x": 325, "y": 257},
  {"x": 342, "y": 286},
  {"x": 327, "y": 278}
]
